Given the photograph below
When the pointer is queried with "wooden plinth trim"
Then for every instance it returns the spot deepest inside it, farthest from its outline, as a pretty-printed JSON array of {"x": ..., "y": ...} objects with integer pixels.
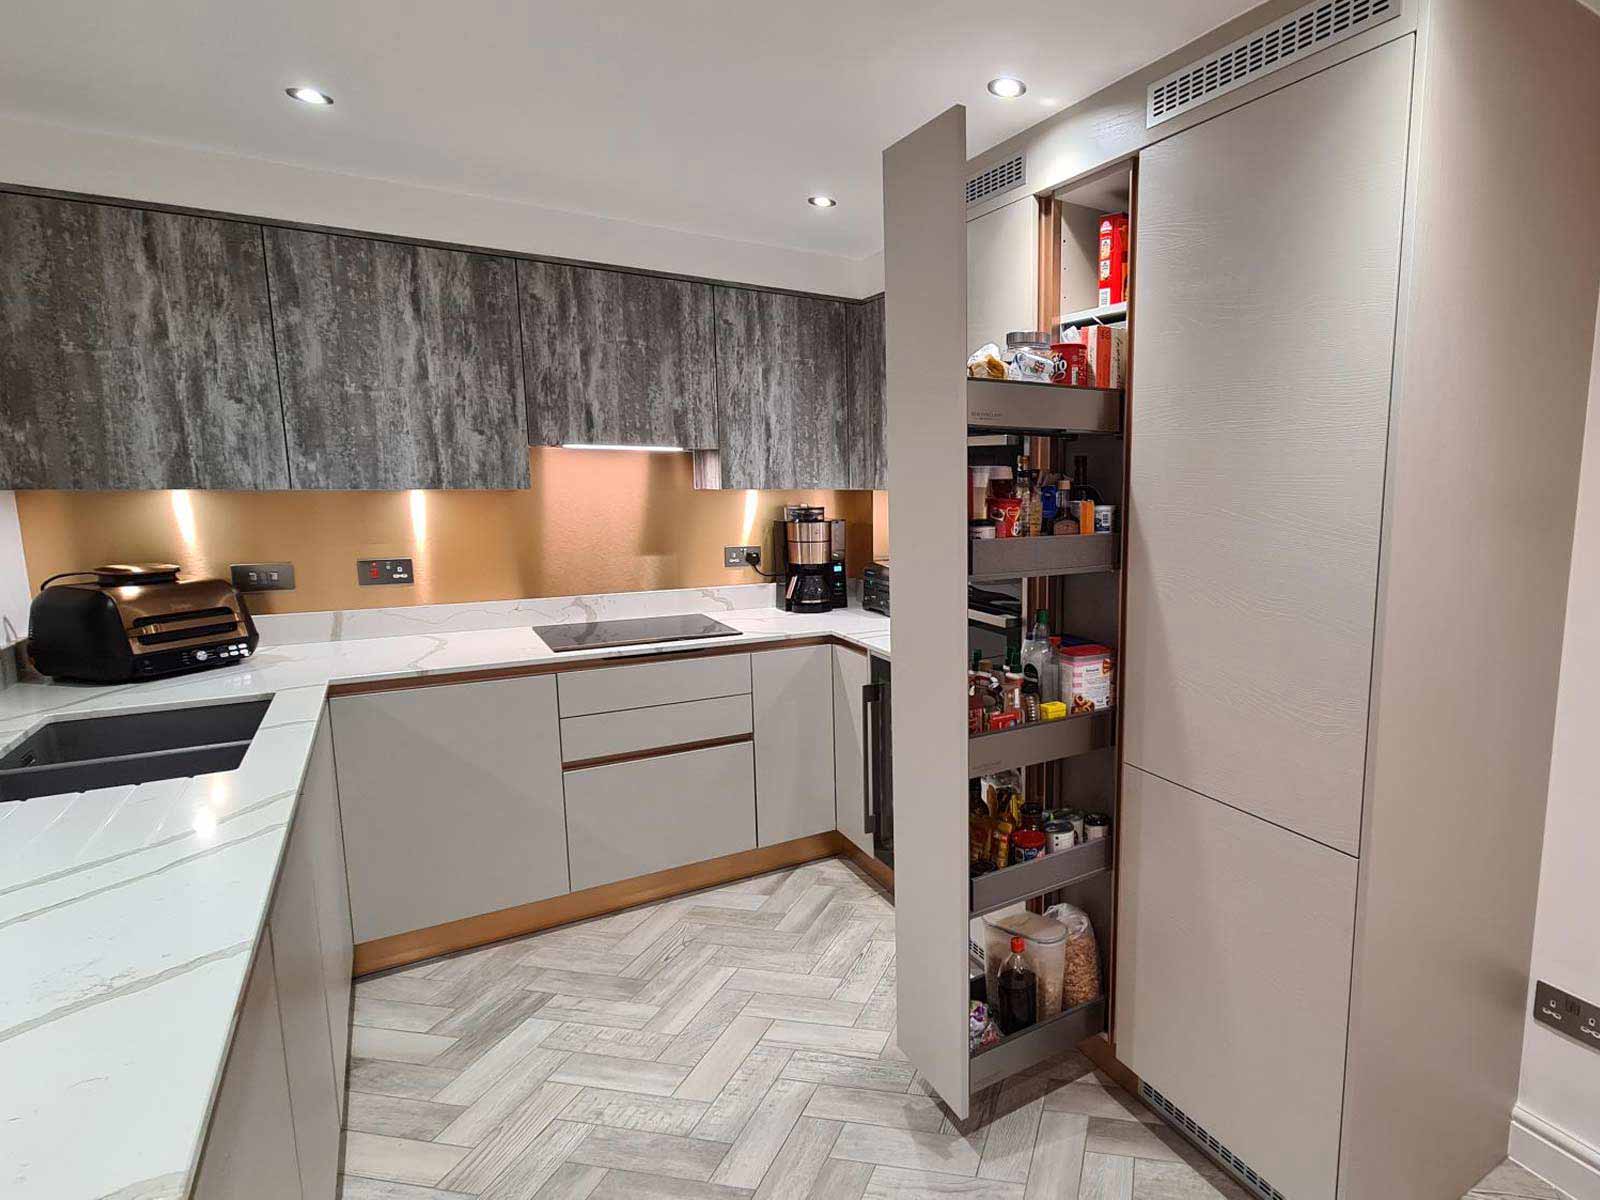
[
  {"x": 881, "y": 873},
  {"x": 403, "y": 948},
  {"x": 607, "y": 760},
  {"x": 407, "y": 682},
  {"x": 1102, "y": 1052}
]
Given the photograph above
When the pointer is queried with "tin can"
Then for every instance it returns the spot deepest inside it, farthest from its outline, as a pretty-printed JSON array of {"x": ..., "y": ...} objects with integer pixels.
[
  {"x": 1074, "y": 818},
  {"x": 1096, "y": 826},
  {"x": 1104, "y": 516},
  {"x": 1061, "y": 835}
]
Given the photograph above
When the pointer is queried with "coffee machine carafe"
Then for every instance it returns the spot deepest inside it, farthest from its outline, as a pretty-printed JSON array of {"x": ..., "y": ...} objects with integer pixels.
[{"x": 809, "y": 565}]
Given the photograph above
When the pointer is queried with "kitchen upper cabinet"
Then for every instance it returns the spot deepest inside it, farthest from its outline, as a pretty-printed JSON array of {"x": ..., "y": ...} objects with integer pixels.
[
  {"x": 452, "y": 803},
  {"x": 868, "y": 465},
  {"x": 617, "y": 359},
  {"x": 135, "y": 350},
  {"x": 782, "y": 384},
  {"x": 400, "y": 365}
]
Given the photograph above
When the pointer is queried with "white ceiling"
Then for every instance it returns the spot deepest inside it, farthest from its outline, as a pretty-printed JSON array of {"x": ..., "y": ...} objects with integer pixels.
[{"x": 713, "y": 116}]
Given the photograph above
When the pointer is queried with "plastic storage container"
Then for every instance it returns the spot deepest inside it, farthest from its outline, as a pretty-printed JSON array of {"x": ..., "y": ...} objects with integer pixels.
[{"x": 1046, "y": 952}]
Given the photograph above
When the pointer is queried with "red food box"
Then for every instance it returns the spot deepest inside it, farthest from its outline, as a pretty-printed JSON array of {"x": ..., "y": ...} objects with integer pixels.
[{"x": 1114, "y": 258}]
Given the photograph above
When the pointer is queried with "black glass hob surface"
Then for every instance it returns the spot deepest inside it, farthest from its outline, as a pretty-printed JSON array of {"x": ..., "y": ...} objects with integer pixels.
[{"x": 638, "y": 631}]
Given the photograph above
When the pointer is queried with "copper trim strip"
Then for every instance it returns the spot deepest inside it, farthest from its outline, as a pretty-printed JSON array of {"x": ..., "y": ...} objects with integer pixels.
[{"x": 609, "y": 760}]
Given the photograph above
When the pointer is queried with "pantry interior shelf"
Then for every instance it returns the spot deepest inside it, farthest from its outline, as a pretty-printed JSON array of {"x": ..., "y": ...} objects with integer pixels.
[
  {"x": 1105, "y": 314},
  {"x": 1063, "y": 554},
  {"x": 1036, "y": 1043},
  {"x": 1045, "y": 409},
  {"x": 1047, "y": 873},
  {"x": 1047, "y": 741}
]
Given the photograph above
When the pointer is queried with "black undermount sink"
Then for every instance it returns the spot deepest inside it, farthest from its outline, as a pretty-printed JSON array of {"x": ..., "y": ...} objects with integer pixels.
[{"x": 75, "y": 755}]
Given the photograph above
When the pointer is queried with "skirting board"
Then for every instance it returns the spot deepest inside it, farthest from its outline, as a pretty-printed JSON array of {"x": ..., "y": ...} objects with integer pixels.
[
  {"x": 1554, "y": 1155},
  {"x": 401, "y": 949}
]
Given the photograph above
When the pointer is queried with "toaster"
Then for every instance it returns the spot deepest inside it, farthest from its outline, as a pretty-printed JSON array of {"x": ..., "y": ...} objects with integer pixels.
[{"x": 136, "y": 621}]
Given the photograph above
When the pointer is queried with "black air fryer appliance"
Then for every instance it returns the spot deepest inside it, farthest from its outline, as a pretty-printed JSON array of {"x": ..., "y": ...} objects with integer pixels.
[{"x": 124, "y": 622}]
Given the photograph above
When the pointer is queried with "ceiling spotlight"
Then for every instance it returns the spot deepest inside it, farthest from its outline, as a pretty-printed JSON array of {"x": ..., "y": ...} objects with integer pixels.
[
  {"x": 821, "y": 201},
  {"x": 309, "y": 95},
  {"x": 1006, "y": 87}
]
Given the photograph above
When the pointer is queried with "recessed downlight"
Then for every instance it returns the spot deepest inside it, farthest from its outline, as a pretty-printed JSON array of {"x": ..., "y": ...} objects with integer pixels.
[
  {"x": 820, "y": 201},
  {"x": 1007, "y": 87},
  {"x": 309, "y": 95}
]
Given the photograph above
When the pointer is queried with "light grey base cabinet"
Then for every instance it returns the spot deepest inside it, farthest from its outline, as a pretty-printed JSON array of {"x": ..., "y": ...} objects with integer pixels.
[
  {"x": 250, "y": 1144},
  {"x": 852, "y": 671},
  {"x": 649, "y": 814},
  {"x": 274, "y": 1128},
  {"x": 452, "y": 801},
  {"x": 793, "y": 694},
  {"x": 135, "y": 350}
]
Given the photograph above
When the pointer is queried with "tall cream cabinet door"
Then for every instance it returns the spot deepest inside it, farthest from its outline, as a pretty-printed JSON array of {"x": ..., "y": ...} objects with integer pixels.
[
  {"x": 452, "y": 801},
  {"x": 792, "y": 693},
  {"x": 1234, "y": 940},
  {"x": 1267, "y": 258},
  {"x": 852, "y": 672}
]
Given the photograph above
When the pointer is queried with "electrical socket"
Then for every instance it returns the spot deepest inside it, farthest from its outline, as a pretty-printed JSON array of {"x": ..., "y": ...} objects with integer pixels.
[
  {"x": 263, "y": 577},
  {"x": 738, "y": 556},
  {"x": 1577, "y": 1018},
  {"x": 378, "y": 572}
]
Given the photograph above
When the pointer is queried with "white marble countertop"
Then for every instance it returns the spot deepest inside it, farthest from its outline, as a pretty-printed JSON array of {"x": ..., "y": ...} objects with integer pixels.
[{"x": 129, "y": 915}]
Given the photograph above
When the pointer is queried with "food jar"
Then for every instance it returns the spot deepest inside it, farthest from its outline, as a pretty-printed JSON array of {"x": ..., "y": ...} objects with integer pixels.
[
  {"x": 1096, "y": 826},
  {"x": 980, "y": 530},
  {"x": 1005, "y": 512},
  {"x": 1027, "y": 845}
]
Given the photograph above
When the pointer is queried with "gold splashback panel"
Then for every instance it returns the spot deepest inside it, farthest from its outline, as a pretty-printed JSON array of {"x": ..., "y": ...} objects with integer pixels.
[{"x": 594, "y": 521}]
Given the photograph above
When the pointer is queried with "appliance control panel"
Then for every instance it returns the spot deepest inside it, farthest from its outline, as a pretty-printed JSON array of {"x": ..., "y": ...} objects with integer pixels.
[
  {"x": 377, "y": 572},
  {"x": 1566, "y": 1013}
]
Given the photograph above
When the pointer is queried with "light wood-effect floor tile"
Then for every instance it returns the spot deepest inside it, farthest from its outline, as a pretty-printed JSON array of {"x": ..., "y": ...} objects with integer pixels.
[
  {"x": 841, "y": 1179},
  {"x": 821, "y": 1066},
  {"x": 909, "y": 1148},
  {"x": 396, "y": 1045},
  {"x": 1059, "y": 1162},
  {"x": 536, "y": 1164},
  {"x": 609, "y": 1040},
  {"x": 764, "y": 1134},
  {"x": 354, "y": 1187},
  {"x": 650, "y": 1153},
  {"x": 407, "y": 1080},
  {"x": 571, "y": 1181},
  {"x": 523, "y": 1129},
  {"x": 897, "y": 1110},
  {"x": 619, "y": 1074},
  {"x": 1130, "y": 1139},
  {"x": 711, "y": 1074},
  {"x": 810, "y": 1009},
  {"x": 898, "y": 1183},
  {"x": 1091, "y": 1099},
  {"x": 491, "y": 1066},
  {"x": 1106, "y": 1177},
  {"x": 803, "y": 1035},
  {"x": 518, "y": 1088},
  {"x": 633, "y": 1110},
  {"x": 783, "y": 983},
  {"x": 396, "y": 1116},
  {"x": 402, "y": 1160},
  {"x": 397, "y": 1014},
  {"x": 794, "y": 1174},
  {"x": 739, "y": 1097}
]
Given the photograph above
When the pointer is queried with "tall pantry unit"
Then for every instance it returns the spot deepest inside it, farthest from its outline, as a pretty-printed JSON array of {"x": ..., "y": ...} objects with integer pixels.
[{"x": 1352, "y": 470}]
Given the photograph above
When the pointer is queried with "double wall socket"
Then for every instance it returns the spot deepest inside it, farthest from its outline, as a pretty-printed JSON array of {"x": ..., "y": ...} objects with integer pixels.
[
  {"x": 1566, "y": 1013},
  {"x": 263, "y": 577},
  {"x": 738, "y": 556}
]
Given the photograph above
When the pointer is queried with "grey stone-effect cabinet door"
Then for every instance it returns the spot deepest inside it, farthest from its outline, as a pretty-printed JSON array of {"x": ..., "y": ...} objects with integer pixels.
[
  {"x": 135, "y": 350},
  {"x": 869, "y": 426},
  {"x": 611, "y": 358},
  {"x": 781, "y": 387},
  {"x": 400, "y": 365}
]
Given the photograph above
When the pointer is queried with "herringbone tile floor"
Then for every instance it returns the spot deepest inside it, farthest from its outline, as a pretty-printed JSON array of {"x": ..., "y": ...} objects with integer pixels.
[{"x": 737, "y": 1042}]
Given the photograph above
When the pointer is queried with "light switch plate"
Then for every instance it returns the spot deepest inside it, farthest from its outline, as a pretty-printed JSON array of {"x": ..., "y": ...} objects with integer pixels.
[
  {"x": 263, "y": 577},
  {"x": 377, "y": 572},
  {"x": 735, "y": 556},
  {"x": 1566, "y": 1013}
]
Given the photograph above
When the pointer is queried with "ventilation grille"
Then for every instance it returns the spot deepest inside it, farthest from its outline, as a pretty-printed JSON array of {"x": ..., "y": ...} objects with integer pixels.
[
  {"x": 1196, "y": 1133},
  {"x": 1001, "y": 177},
  {"x": 1312, "y": 28}
]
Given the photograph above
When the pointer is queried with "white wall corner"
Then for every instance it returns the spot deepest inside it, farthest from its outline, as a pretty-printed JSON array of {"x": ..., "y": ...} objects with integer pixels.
[
  {"x": 43, "y": 155},
  {"x": 1554, "y": 1154}
]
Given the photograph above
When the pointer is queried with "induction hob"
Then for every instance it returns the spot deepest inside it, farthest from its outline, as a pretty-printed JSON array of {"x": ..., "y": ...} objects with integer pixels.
[{"x": 639, "y": 631}]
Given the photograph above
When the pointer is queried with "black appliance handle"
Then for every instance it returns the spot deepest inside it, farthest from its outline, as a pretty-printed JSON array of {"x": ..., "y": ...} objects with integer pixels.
[{"x": 870, "y": 694}]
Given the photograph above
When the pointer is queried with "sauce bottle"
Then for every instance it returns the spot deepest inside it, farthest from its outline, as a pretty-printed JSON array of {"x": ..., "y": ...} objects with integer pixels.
[{"x": 1019, "y": 991}]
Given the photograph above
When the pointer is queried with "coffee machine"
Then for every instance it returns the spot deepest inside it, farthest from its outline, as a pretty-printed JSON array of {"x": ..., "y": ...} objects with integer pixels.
[{"x": 813, "y": 578}]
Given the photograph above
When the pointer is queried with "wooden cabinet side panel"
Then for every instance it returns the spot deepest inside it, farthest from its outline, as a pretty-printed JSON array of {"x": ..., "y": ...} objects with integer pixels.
[
  {"x": 135, "y": 350},
  {"x": 781, "y": 390},
  {"x": 250, "y": 1145},
  {"x": 868, "y": 424},
  {"x": 299, "y": 970},
  {"x": 400, "y": 365},
  {"x": 1234, "y": 941},
  {"x": 852, "y": 671},
  {"x": 452, "y": 801},
  {"x": 616, "y": 359},
  {"x": 792, "y": 692},
  {"x": 1268, "y": 260}
]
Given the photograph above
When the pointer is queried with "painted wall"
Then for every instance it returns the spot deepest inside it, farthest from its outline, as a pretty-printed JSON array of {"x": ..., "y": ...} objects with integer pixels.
[
  {"x": 36, "y": 154},
  {"x": 1558, "y": 1098},
  {"x": 14, "y": 590},
  {"x": 593, "y": 521}
]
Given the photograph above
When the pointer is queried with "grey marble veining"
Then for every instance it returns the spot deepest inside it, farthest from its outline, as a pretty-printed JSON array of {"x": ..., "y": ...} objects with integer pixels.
[
  {"x": 781, "y": 388},
  {"x": 868, "y": 412},
  {"x": 613, "y": 358},
  {"x": 135, "y": 350},
  {"x": 399, "y": 365}
]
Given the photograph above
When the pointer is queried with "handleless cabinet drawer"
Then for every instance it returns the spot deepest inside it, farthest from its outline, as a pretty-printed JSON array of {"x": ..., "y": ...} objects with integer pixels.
[
  {"x": 612, "y": 689},
  {"x": 650, "y": 814},
  {"x": 604, "y": 735}
]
